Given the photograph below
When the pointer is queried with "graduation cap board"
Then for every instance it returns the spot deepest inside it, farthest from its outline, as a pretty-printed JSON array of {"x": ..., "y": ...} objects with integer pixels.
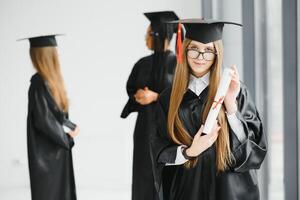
[
  {"x": 201, "y": 30},
  {"x": 161, "y": 16},
  {"x": 159, "y": 21},
  {"x": 204, "y": 30},
  {"x": 42, "y": 41}
]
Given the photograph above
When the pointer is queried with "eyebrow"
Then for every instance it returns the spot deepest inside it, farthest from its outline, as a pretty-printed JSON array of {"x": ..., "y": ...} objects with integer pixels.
[
  {"x": 193, "y": 46},
  {"x": 210, "y": 48}
]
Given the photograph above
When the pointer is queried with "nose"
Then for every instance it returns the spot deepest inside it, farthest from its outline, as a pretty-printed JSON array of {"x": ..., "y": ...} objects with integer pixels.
[{"x": 200, "y": 55}]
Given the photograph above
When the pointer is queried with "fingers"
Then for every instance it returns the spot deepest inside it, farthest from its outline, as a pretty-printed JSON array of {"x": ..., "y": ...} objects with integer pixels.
[
  {"x": 215, "y": 132},
  {"x": 213, "y": 137},
  {"x": 139, "y": 95},
  {"x": 210, "y": 142},
  {"x": 72, "y": 134},
  {"x": 235, "y": 72},
  {"x": 75, "y": 132},
  {"x": 77, "y": 129},
  {"x": 235, "y": 79},
  {"x": 198, "y": 134},
  {"x": 200, "y": 131},
  {"x": 215, "y": 127},
  {"x": 201, "y": 128},
  {"x": 234, "y": 75},
  {"x": 234, "y": 68},
  {"x": 144, "y": 97},
  {"x": 215, "y": 124}
]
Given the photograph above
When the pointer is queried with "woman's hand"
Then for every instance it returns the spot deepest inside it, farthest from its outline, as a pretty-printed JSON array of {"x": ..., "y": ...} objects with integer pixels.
[
  {"x": 145, "y": 96},
  {"x": 201, "y": 143},
  {"x": 140, "y": 94},
  {"x": 233, "y": 90},
  {"x": 74, "y": 133}
]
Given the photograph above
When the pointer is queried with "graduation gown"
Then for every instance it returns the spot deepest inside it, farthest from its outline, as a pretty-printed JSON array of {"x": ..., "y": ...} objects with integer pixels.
[
  {"x": 49, "y": 147},
  {"x": 202, "y": 181},
  {"x": 240, "y": 180},
  {"x": 145, "y": 74}
]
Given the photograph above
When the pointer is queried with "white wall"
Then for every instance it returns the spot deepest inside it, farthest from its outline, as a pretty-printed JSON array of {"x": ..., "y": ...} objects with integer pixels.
[{"x": 103, "y": 40}]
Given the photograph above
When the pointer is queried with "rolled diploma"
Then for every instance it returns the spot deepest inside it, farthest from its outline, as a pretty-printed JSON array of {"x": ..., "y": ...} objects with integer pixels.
[{"x": 218, "y": 100}]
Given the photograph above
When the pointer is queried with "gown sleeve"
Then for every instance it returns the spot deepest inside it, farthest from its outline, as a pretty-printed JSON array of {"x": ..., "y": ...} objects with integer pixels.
[
  {"x": 46, "y": 122},
  {"x": 69, "y": 124},
  {"x": 250, "y": 153},
  {"x": 72, "y": 126},
  {"x": 162, "y": 149},
  {"x": 131, "y": 87}
]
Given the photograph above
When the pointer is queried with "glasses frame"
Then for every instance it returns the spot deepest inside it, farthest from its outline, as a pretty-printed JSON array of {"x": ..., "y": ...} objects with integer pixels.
[{"x": 201, "y": 53}]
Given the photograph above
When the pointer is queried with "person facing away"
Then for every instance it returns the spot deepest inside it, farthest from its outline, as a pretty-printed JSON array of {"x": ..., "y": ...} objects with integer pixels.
[
  {"x": 50, "y": 133},
  {"x": 149, "y": 76},
  {"x": 220, "y": 165}
]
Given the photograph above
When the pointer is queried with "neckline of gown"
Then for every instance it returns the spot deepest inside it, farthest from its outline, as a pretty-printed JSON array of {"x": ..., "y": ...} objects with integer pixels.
[{"x": 190, "y": 93}]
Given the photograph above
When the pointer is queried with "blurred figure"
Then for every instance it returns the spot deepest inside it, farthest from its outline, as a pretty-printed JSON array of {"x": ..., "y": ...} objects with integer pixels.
[
  {"x": 50, "y": 133},
  {"x": 150, "y": 75}
]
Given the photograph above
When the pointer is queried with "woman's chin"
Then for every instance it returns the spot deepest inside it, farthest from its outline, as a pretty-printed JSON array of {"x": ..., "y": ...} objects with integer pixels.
[{"x": 198, "y": 71}]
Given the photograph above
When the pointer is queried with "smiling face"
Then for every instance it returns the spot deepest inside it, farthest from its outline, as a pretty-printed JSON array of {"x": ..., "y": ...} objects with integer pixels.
[{"x": 200, "y": 63}]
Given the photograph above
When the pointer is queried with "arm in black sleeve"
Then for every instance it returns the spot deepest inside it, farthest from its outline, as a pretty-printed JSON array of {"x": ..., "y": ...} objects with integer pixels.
[
  {"x": 251, "y": 153},
  {"x": 131, "y": 87},
  {"x": 162, "y": 149},
  {"x": 72, "y": 126},
  {"x": 46, "y": 122}
]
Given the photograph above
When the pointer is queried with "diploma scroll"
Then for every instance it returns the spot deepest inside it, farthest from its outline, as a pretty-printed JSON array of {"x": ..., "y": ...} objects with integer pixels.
[{"x": 218, "y": 100}]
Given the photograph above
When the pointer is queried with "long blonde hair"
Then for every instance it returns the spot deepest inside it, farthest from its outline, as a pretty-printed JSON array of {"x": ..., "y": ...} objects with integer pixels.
[
  {"x": 45, "y": 61},
  {"x": 176, "y": 129}
]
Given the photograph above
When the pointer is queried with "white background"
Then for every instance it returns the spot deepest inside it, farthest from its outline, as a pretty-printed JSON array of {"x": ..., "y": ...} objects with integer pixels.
[{"x": 103, "y": 41}]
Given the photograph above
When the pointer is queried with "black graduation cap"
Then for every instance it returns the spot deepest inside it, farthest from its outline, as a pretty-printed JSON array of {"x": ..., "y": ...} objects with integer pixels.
[
  {"x": 201, "y": 30},
  {"x": 161, "y": 16},
  {"x": 204, "y": 30},
  {"x": 159, "y": 22},
  {"x": 42, "y": 41}
]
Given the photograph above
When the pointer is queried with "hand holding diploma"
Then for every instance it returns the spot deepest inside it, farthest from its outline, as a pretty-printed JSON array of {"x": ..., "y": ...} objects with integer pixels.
[
  {"x": 202, "y": 142},
  {"x": 233, "y": 91},
  {"x": 227, "y": 91}
]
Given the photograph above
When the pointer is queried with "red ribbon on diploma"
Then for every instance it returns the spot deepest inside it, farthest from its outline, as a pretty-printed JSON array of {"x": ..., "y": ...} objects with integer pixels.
[{"x": 220, "y": 101}]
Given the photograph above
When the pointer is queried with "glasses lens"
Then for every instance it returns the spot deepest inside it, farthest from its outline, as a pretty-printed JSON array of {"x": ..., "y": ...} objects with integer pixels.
[
  {"x": 208, "y": 56},
  {"x": 192, "y": 53}
]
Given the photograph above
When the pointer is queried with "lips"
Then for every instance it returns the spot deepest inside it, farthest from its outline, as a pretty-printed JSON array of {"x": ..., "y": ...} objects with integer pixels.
[{"x": 199, "y": 63}]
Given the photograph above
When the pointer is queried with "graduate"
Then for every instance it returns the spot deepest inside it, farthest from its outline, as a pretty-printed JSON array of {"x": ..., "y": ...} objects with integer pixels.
[
  {"x": 50, "y": 133},
  {"x": 220, "y": 165},
  {"x": 149, "y": 76}
]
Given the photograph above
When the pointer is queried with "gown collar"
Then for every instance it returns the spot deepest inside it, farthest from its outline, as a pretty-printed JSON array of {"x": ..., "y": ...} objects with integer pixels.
[{"x": 197, "y": 85}]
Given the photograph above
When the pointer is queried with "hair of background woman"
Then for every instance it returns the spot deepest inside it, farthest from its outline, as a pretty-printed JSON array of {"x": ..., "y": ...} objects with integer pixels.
[{"x": 45, "y": 61}]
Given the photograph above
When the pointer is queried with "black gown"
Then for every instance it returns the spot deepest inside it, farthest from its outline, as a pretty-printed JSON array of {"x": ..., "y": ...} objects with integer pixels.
[
  {"x": 49, "y": 147},
  {"x": 146, "y": 74},
  {"x": 202, "y": 181}
]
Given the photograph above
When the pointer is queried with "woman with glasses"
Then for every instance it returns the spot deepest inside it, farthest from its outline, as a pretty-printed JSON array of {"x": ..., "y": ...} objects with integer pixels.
[
  {"x": 219, "y": 165},
  {"x": 149, "y": 76}
]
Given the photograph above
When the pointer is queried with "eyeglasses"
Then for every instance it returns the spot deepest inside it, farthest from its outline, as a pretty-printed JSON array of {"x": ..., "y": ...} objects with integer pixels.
[{"x": 206, "y": 55}]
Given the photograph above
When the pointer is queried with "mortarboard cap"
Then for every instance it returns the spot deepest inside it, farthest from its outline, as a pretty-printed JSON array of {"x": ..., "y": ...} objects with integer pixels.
[
  {"x": 201, "y": 30},
  {"x": 161, "y": 16},
  {"x": 160, "y": 28},
  {"x": 204, "y": 30},
  {"x": 42, "y": 41}
]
